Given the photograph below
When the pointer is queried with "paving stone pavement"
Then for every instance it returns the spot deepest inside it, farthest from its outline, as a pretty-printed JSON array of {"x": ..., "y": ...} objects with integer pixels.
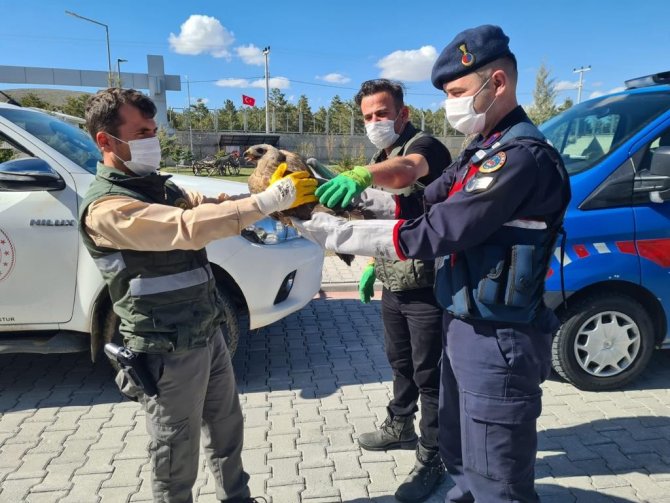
[{"x": 309, "y": 386}]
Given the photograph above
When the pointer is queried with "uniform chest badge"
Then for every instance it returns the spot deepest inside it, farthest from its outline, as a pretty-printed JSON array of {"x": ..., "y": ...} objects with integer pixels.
[
  {"x": 494, "y": 163},
  {"x": 478, "y": 184}
]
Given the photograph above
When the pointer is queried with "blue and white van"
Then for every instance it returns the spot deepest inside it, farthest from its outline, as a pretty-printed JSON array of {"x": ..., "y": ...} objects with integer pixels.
[{"x": 614, "y": 300}]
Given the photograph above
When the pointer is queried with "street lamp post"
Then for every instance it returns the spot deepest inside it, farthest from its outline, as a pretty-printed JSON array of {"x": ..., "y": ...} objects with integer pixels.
[
  {"x": 118, "y": 68},
  {"x": 109, "y": 55},
  {"x": 266, "y": 52}
]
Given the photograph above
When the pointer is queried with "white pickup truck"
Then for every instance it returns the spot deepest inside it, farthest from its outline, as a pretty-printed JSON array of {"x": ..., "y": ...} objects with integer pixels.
[{"x": 52, "y": 297}]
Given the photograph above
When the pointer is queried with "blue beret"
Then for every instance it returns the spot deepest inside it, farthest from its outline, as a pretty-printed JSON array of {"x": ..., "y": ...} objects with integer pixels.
[{"x": 469, "y": 50}]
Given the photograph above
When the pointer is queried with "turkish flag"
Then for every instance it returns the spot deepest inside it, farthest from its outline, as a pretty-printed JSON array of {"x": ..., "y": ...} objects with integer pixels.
[{"x": 248, "y": 100}]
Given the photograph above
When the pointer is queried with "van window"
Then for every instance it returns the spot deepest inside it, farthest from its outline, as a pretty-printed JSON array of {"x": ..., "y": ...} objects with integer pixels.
[{"x": 587, "y": 133}]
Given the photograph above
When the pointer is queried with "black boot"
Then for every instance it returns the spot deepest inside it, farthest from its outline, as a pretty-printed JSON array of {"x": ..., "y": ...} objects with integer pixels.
[
  {"x": 426, "y": 475},
  {"x": 395, "y": 433}
]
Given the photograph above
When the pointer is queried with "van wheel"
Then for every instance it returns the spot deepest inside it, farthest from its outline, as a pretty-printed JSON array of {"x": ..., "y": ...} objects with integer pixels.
[{"x": 604, "y": 342}]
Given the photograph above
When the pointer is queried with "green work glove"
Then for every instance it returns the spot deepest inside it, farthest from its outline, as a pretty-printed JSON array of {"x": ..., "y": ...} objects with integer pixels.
[
  {"x": 344, "y": 187},
  {"x": 366, "y": 287}
]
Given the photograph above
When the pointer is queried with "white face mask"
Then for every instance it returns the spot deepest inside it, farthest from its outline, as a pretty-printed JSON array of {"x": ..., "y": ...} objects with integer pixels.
[
  {"x": 145, "y": 155},
  {"x": 461, "y": 113},
  {"x": 382, "y": 133}
]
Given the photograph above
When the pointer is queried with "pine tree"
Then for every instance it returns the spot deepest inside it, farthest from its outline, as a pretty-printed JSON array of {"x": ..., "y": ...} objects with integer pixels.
[{"x": 543, "y": 107}]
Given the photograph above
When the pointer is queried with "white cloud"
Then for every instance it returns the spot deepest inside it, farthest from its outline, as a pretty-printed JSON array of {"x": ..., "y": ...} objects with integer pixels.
[
  {"x": 596, "y": 94},
  {"x": 617, "y": 89},
  {"x": 565, "y": 85},
  {"x": 202, "y": 35},
  {"x": 596, "y": 84},
  {"x": 250, "y": 54},
  {"x": 334, "y": 78},
  {"x": 232, "y": 83},
  {"x": 413, "y": 65},
  {"x": 204, "y": 101},
  {"x": 274, "y": 82},
  {"x": 278, "y": 82}
]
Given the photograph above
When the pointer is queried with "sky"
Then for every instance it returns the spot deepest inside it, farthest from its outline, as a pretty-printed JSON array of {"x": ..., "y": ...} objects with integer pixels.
[{"x": 324, "y": 48}]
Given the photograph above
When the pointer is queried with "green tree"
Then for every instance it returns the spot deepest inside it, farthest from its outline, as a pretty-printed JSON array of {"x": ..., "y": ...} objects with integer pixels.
[
  {"x": 201, "y": 118},
  {"x": 568, "y": 103},
  {"x": 308, "y": 122},
  {"x": 32, "y": 100},
  {"x": 543, "y": 107},
  {"x": 75, "y": 105},
  {"x": 229, "y": 117},
  {"x": 170, "y": 148}
]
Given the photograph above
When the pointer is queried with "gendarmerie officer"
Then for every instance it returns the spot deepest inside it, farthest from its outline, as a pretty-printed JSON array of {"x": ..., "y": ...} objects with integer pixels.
[{"x": 492, "y": 220}]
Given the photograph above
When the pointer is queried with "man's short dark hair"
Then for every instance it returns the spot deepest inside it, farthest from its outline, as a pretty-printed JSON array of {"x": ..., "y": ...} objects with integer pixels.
[
  {"x": 102, "y": 109},
  {"x": 370, "y": 87}
]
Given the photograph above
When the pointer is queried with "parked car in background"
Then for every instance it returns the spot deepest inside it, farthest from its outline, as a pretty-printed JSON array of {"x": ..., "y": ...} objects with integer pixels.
[
  {"x": 52, "y": 296},
  {"x": 611, "y": 288}
]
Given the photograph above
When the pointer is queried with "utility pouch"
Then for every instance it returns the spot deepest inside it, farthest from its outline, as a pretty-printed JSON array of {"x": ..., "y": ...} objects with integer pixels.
[
  {"x": 451, "y": 285},
  {"x": 492, "y": 264},
  {"x": 520, "y": 276}
]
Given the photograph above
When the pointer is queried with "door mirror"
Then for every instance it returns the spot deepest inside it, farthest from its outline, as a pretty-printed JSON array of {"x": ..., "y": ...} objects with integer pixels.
[
  {"x": 29, "y": 174},
  {"x": 660, "y": 161}
]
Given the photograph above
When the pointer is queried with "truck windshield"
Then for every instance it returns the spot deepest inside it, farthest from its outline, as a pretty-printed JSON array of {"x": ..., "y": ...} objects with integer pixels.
[
  {"x": 69, "y": 140},
  {"x": 587, "y": 133}
]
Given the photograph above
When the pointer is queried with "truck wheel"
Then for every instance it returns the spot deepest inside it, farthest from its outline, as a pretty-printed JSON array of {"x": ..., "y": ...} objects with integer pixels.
[
  {"x": 231, "y": 324},
  {"x": 604, "y": 342}
]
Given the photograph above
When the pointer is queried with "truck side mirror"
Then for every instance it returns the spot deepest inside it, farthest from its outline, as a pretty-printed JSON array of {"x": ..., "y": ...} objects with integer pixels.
[{"x": 29, "y": 174}]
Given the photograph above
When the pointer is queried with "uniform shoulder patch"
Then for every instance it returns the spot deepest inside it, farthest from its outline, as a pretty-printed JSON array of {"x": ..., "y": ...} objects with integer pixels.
[{"x": 494, "y": 163}]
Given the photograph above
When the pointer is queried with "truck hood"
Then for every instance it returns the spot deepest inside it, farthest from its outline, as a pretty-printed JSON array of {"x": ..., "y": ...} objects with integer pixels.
[{"x": 210, "y": 186}]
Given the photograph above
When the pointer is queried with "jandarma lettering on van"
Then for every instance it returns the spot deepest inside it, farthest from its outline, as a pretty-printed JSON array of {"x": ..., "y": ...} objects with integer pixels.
[{"x": 52, "y": 223}]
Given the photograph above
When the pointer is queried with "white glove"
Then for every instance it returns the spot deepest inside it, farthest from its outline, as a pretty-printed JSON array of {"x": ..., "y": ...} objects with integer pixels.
[
  {"x": 292, "y": 190},
  {"x": 370, "y": 238},
  {"x": 382, "y": 204}
]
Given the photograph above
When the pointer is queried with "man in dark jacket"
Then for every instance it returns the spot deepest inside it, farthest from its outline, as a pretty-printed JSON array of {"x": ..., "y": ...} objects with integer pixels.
[{"x": 407, "y": 161}]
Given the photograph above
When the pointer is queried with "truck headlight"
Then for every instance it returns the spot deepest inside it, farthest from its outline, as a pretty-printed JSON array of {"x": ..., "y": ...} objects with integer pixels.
[{"x": 270, "y": 232}]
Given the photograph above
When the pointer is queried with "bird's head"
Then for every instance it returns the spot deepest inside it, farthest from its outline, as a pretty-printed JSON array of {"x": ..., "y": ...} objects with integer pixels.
[{"x": 255, "y": 152}]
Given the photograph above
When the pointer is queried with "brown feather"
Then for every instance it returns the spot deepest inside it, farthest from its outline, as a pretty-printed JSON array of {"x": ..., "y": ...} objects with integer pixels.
[{"x": 268, "y": 159}]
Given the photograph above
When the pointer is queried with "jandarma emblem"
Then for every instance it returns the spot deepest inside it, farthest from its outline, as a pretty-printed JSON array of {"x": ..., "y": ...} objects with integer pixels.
[
  {"x": 7, "y": 255},
  {"x": 468, "y": 58}
]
